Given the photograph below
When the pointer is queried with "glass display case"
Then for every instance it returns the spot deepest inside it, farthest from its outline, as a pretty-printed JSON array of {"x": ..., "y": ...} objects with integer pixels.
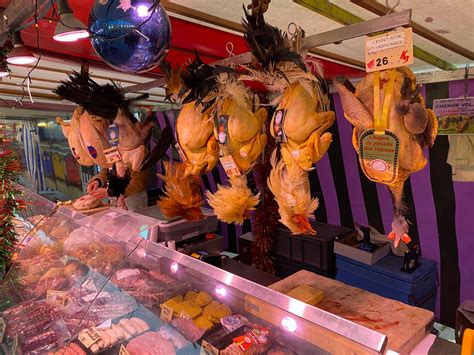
[{"x": 97, "y": 284}]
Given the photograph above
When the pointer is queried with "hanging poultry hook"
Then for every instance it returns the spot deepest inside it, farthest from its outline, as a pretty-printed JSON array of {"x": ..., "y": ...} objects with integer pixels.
[
  {"x": 391, "y": 8},
  {"x": 229, "y": 47}
]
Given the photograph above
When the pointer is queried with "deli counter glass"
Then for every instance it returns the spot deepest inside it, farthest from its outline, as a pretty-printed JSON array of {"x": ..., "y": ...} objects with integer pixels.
[{"x": 98, "y": 284}]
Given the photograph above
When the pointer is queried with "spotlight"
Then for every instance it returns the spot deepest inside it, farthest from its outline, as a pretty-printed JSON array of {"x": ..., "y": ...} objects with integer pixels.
[
  {"x": 289, "y": 324},
  {"x": 20, "y": 55},
  {"x": 69, "y": 29},
  {"x": 174, "y": 267},
  {"x": 221, "y": 291}
]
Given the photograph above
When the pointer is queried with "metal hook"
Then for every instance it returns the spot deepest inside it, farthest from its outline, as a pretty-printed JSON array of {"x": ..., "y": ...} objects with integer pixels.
[
  {"x": 229, "y": 47},
  {"x": 466, "y": 79},
  {"x": 292, "y": 26},
  {"x": 391, "y": 8}
]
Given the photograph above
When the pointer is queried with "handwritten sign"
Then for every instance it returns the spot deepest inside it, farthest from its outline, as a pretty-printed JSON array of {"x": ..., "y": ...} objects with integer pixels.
[{"x": 390, "y": 50}]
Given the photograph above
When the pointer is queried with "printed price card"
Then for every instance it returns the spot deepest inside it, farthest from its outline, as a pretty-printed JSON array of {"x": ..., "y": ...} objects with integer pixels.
[
  {"x": 123, "y": 350},
  {"x": 229, "y": 166},
  {"x": 3, "y": 327},
  {"x": 378, "y": 154},
  {"x": 88, "y": 337},
  {"x": 208, "y": 349},
  {"x": 166, "y": 313},
  {"x": 390, "y": 50},
  {"x": 56, "y": 298}
]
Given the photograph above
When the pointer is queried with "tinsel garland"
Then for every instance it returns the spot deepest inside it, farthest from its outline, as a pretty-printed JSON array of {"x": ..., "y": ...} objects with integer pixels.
[
  {"x": 265, "y": 220},
  {"x": 10, "y": 169}
]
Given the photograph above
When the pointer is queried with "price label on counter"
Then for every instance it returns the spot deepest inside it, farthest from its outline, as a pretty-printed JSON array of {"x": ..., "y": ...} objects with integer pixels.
[
  {"x": 3, "y": 327},
  {"x": 56, "y": 298},
  {"x": 390, "y": 50},
  {"x": 184, "y": 315},
  {"x": 208, "y": 349},
  {"x": 166, "y": 313},
  {"x": 123, "y": 350},
  {"x": 88, "y": 337}
]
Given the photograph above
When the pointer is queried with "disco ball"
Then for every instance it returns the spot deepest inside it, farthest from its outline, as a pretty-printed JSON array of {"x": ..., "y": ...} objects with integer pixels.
[{"x": 130, "y": 35}]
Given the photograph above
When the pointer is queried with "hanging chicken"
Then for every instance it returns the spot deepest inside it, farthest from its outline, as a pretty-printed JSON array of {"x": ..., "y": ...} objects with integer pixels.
[
  {"x": 198, "y": 150},
  {"x": 299, "y": 122},
  {"x": 413, "y": 124},
  {"x": 114, "y": 139},
  {"x": 239, "y": 131},
  {"x": 72, "y": 132}
]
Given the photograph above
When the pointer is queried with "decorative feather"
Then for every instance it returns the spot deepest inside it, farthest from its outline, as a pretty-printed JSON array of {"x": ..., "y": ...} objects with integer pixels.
[
  {"x": 233, "y": 204},
  {"x": 291, "y": 190},
  {"x": 182, "y": 193},
  {"x": 174, "y": 83},
  {"x": 268, "y": 44},
  {"x": 99, "y": 100},
  {"x": 199, "y": 80},
  {"x": 160, "y": 148}
]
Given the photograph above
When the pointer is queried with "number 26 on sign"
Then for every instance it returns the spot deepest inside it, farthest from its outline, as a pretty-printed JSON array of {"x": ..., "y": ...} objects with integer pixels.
[{"x": 377, "y": 62}]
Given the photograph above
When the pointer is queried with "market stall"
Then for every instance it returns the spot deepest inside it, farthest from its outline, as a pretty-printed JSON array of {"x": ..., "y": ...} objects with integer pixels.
[{"x": 235, "y": 179}]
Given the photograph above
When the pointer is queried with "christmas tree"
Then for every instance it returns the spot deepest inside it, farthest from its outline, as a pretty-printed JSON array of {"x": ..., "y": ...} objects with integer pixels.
[{"x": 10, "y": 169}]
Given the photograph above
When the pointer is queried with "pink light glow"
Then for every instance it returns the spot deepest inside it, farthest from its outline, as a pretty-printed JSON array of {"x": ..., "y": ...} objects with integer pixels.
[
  {"x": 289, "y": 324},
  {"x": 221, "y": 291},
  {"x": 142, "y": 10},
  {"x": 71, "y": 36},
  {"x": 22, "y": 60},
  {"x": 174, "y": 267}
]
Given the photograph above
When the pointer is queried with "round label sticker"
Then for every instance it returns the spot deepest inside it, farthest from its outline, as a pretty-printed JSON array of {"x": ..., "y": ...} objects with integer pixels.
[{"x": 379, "y": 165}]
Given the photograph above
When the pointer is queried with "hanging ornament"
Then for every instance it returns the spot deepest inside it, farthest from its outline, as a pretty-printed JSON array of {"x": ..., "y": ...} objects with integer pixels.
[{"x": 132, "y": 36}]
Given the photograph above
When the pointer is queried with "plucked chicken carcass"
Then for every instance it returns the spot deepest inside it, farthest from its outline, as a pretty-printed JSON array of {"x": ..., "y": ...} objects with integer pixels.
[
  {"x": 132, "y": 136},
  {"x": 93, "y": 131},
  {"x": 73, "y": 134},
  {"x": 305, "y": 123},
  {"x": 195, "y": 135},
  {"x": 198, "y": 149},
  {"x": 243, "y": 140},
  {"x": 414, "y": 125}
]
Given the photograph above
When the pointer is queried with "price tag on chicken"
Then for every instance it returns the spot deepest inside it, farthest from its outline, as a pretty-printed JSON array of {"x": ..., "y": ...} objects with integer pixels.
[
  {"x": 3, "y": 327},
  {"x": 390, "y": 50},
  {"x": 229, "y": 166},
  {"x": 112, "y": 155},
  {"x": 88, "y": 337},
  {"x": 379, "y": 156},
  {"x": 166, "y": 313}
]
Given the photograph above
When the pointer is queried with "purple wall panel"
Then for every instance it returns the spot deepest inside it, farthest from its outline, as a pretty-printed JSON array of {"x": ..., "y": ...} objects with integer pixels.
[
  {"x": 464, "y": 193},
  {"x": 350, "y": 164},
  {"x": 330, "y": 195}
]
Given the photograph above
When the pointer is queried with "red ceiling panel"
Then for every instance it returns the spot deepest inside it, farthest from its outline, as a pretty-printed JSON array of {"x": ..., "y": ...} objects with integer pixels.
[{"x": 186, "y": 36}]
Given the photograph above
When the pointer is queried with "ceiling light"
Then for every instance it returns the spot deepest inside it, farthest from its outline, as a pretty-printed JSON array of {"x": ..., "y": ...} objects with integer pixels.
[
  {"x": 69, "y": 28},
  {"x": 20, "y": 55}
]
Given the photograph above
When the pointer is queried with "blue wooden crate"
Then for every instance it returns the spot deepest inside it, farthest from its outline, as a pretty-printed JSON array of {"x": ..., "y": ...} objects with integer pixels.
[{"x": 385, "y": 279}]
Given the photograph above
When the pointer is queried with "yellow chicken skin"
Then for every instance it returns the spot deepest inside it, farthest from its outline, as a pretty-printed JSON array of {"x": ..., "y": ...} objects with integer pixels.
[
  {"x": 246, "y": 140},
  {"x": 414, "y": 125},
  {"x": 194, "y": 131},
  {"x": 304, "y": 127}
]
